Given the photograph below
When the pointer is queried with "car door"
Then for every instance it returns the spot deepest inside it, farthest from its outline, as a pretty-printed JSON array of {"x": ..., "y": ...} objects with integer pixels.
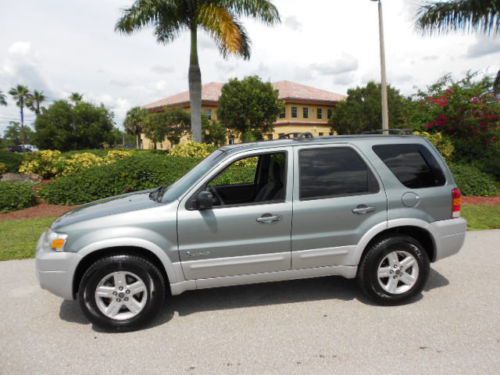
[
  {"x": 337, "y": 198},
  {"x": 244, "y": 236}
]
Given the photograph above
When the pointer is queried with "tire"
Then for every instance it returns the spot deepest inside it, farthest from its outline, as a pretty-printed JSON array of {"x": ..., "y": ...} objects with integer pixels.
[
  {"x": 139, "y": 300},
  {"x": 404, "y": 261}
]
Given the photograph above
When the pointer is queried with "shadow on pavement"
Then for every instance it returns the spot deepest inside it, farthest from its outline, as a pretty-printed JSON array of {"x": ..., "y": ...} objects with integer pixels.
[{"x": 255, "y": 295}]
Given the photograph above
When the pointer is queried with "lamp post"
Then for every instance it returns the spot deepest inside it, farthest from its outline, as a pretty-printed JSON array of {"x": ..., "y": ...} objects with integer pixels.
[{"x": 385, "y": 106}]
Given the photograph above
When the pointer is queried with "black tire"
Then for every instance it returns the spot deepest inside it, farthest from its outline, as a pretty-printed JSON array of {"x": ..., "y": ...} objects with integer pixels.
[
  {"x": 367, "y": 271},
  {"x": 145, "y": 270}
]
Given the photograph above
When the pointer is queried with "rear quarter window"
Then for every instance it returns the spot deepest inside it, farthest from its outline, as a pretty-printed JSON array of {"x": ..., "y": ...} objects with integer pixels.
[{"x": 412, "y": 164}]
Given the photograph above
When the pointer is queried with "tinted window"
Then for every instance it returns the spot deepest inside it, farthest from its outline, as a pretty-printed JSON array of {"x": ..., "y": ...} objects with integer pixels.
[
  {"x": 413, "y": 165},
  {"x": 334, "y": 171}
]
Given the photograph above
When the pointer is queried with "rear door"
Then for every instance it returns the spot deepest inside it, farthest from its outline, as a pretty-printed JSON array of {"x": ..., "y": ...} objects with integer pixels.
[{"x": 337, "y": 198}]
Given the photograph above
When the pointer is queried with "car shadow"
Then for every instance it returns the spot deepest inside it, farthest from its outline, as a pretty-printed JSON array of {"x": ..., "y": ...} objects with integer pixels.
[{"x": 236, "y": 297}]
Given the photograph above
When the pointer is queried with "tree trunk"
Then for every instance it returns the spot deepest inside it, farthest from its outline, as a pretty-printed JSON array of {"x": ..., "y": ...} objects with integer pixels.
[
  {"x": 195, "y": 87},
  {"x": 21, "y": 110},
  {"x": 138, "y": 141}
]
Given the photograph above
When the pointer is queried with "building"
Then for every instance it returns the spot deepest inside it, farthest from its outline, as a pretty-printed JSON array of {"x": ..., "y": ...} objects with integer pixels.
[{"x": 307, "y": 109}]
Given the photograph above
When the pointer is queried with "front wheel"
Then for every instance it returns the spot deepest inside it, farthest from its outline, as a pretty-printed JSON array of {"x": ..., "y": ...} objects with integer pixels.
[
  {"x": 394, "y": 270},
  {"x": 121, "y": 292}
]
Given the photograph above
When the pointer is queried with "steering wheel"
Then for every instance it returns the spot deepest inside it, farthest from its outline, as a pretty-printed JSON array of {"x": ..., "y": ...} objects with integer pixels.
[{"x": 216, "y": 194}]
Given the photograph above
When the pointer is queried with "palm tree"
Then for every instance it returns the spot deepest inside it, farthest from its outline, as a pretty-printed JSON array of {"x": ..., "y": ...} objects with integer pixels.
[
  {"x": 3, "y": 100},
  {"x": 35, "y": 100},
  {"x": 134, "y": 122},
  {"x": 220, "y": 18},
  {"x": 21, "y": 95},
  {"x": 465, "y": 15},
  {"x": 76, "y": 97}
]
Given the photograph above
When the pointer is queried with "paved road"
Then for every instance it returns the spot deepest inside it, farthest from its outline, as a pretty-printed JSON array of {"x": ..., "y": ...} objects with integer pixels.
[{"x": 320, "y": 326}]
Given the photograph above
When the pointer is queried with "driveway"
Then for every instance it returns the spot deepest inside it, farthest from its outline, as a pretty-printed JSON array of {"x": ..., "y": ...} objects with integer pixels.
[{"x": 320, "y": 326}]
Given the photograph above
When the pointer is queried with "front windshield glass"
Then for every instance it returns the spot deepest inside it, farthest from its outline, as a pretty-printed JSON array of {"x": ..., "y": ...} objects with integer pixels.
[{"x": 189, "y": 179}]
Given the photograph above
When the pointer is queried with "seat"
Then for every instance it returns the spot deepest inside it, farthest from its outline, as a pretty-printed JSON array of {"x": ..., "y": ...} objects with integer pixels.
[{"x": 273, "y": 189}]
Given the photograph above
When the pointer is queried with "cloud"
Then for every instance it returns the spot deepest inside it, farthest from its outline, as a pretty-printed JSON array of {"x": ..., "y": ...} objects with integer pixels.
[
  {"x": 160, "y": 69},
  {"x": 430, "y": 58},
  {"x": 343, "y": 65},
  {"x": 293, "y": 23},
  {"x": 204, "y": 42},
  {"x": 225, "y": 67},
  {"x": 484, "y": 46},
  {"x": 345, "y": 79},
  {"x": 303, "y": 74},
  {"x": 119, "y": 83}
]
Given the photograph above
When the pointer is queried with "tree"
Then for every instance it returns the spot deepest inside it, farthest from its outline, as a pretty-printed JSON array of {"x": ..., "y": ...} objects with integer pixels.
[
  {"x": 361, "y": 111},
  {"x": 3, "y": 100},
  {"x": 21, "y": 95},
  {"x": 14, "y": 134},
  {"x": 75, "y": 97},
  {"x": 465, "y": 15},
  {"x": 249, "y": 107},
  {"x": 220, "y": 18},
  {"x": 134, "y": 122},
  {"x": 63, "y": 126},
  {"x": 171, "y": 124},
  {"x": 213, "y": 132},
  {"x": 35, "y": 101}
]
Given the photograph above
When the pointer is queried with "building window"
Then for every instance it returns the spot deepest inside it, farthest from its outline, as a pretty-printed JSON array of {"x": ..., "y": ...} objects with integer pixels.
[
  {"x": 283, "y": 113},
  {"x": 305, "y": 112},
  {"x": 208, "y": 113},
  {"x": 319, "y": 113},
  {"x": 320, "y": 134},
  {"x": 281, "y": 136},
  {"x": 269, "y": 137},
  {"x": 294, "y": 112},
  {"x": 330, "y": 113}
]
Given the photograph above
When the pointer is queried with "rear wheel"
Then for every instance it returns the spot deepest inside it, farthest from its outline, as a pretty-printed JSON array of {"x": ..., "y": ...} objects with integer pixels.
[
  {"x": 121, "y": 292},
  {"x": 394, "y": 270}
]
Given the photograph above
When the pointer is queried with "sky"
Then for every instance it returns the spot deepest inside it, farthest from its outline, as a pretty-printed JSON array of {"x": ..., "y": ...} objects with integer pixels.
[{"x": 64, "y": 46}]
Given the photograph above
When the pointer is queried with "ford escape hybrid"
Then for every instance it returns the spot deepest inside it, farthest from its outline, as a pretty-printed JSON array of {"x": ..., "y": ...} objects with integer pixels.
[{"x": 376, "y": 208}]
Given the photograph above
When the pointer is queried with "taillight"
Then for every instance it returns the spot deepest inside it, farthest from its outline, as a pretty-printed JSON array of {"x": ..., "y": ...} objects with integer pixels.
[{"x": 456, "y": 202}]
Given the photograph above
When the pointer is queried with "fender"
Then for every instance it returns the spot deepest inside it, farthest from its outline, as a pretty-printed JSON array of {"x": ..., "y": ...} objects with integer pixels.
[
  {"x": 173, "y": 270},
  {"x": 379, "y": 228}
]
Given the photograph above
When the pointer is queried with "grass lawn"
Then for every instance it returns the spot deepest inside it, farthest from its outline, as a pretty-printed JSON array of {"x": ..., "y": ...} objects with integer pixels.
[{"x": 18, "y": 237}]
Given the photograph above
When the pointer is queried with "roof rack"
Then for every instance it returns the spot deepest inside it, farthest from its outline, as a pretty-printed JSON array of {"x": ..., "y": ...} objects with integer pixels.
[
  {"x": 390, "y": 131},
  {"x": 297, "y": 136}
]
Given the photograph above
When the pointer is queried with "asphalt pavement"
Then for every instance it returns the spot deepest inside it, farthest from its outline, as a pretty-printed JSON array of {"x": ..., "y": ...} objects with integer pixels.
[{"x": 317, "y": 326}]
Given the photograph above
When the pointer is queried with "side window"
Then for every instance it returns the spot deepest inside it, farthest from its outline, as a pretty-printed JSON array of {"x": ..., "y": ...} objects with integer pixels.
[
  {"x": 334, "y": 171},
  {"x": 412, "y": 164},
  {"x": 254, "y": 179}
]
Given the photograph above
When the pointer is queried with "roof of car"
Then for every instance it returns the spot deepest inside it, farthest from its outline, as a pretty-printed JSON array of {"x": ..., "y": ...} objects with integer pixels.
[{"x": 318, "y": 140}]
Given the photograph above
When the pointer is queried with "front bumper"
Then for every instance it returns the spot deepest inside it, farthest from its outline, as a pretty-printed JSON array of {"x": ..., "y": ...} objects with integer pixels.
[
  {"x": 55, "y": 270},
  {"x": 449, "y": 236}
]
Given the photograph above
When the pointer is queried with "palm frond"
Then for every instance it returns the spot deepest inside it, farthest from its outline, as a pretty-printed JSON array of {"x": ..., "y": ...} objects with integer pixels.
[
  {"x": 263, "y": 10},
  {"x": 460, "y": 15},
  {"x": 230, "y": 36}
]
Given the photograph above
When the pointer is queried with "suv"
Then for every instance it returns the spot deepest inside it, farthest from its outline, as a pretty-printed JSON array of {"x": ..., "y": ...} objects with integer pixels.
[{"x": 378, "y": 208}]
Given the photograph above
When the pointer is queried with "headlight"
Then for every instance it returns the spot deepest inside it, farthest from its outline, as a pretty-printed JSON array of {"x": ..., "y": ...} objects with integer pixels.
[{"x": 57, "y": 240}]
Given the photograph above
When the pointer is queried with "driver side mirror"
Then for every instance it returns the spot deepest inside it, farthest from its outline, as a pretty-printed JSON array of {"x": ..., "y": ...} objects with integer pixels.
[{"x": 204, "y": 200}]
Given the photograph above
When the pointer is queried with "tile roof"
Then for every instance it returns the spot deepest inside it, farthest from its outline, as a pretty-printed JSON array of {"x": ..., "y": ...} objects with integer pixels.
[{"x": 287, "y": 91}]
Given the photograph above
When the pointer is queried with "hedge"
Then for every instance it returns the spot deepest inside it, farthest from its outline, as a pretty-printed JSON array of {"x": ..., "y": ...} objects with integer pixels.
[
  {"x": 16, "y": 195},
  {"x": 137, "y": 172},
  {"x": 12, "y": 160},
  {"x": 472, "y": 181}
]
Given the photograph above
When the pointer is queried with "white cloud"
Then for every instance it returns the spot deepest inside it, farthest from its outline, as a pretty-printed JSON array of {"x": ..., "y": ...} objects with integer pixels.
[
  {"x": 484, "y": 46},
  {"x": 345, "y": 64},
  {"x": 293, "y": 23},
  {"x": 160, "y": 69}
]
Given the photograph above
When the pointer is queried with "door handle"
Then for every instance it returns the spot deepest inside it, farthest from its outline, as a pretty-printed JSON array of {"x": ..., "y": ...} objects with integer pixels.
[
  {"x": 363, "y": 209},
  {"x": 268, "y": 219}
]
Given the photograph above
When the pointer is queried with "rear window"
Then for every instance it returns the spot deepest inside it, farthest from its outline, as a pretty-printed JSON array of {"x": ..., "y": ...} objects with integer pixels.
[
  {"x": 412, "y": 164},
  {"x": 332, "y": 172}
]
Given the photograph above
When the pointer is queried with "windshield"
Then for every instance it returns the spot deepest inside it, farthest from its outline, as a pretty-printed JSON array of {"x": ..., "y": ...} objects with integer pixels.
[{"x": 189, "y": 179}]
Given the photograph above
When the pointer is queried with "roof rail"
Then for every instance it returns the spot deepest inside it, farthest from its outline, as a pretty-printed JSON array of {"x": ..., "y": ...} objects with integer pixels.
[
  {"x": 390, "y": 131},
  {"x": 297, "y": 136}
]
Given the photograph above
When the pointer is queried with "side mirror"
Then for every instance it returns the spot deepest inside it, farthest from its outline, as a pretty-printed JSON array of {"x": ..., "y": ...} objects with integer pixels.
[{"x": 204, "y": 200}]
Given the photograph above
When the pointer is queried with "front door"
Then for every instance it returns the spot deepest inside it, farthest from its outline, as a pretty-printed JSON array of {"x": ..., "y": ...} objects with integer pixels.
[
  {"x": 338, "y": 199},
  {"x": 248, "y": 229}
]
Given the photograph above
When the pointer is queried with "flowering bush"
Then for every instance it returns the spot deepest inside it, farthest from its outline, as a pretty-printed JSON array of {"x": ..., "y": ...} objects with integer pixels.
[
  {"x": 114, "y": 155},
  {"x": 192, "y": 150},
  {"x": 442, "y": 143},
  {"x": 3, "y": 168},
  {"x": 47, "y": 164},
  {"x": 78, "y": 162}
]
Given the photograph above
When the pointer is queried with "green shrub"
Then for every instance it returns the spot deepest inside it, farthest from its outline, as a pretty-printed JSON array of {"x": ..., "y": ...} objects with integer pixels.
[
  {"x": 16, "y": 195},
  {"x": 137, "y": 172},
  {"x": 472, "y": 181},
  {"x": 3, "y": 168},
  {"x": 12, "y": 159}
]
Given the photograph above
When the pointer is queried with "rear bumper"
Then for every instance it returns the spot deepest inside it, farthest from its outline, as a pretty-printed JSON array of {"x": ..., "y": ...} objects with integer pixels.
[
  {"x": 55, "y": 270},
  {"x": 449, "y": 236}
]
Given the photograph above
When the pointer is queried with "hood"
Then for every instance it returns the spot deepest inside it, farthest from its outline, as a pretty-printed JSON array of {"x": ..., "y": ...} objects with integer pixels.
[{"x": 106, "y": 207}]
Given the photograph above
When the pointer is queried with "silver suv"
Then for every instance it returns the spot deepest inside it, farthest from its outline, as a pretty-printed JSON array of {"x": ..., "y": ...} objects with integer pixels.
[{"x": 375, "y": 208}]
